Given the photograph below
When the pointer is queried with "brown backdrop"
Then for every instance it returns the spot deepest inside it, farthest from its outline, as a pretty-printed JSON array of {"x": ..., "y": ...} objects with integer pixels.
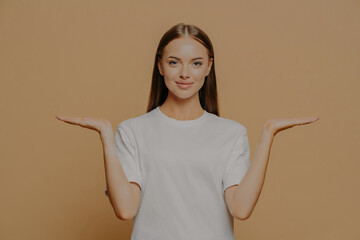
[{"x": 95, "y": 58}]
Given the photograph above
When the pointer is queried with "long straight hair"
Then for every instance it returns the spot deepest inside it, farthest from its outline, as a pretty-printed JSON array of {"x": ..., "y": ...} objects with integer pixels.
[{"x": 207, "y": 93}]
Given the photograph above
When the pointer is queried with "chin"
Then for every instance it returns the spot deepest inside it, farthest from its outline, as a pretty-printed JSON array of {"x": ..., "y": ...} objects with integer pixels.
[{"x": 183, "y": 95}]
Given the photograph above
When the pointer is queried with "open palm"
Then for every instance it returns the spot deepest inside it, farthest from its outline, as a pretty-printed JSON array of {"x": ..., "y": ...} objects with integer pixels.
[
  {"x": 277, "y": 125},
  {"x": 86, "y": 122}
]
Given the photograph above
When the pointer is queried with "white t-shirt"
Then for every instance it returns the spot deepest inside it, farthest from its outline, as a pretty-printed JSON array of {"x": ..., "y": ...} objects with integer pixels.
[{"x": 183, "y": 168}]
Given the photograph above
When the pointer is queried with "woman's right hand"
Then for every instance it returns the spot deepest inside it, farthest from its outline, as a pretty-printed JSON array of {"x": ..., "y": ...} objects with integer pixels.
[{"x": 98, "y": 125}]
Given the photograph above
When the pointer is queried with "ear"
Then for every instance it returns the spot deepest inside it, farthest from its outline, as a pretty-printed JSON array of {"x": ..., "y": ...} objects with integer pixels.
[
  {"x": 209, "y": 66},
  {"x": 159, "y": 66}
]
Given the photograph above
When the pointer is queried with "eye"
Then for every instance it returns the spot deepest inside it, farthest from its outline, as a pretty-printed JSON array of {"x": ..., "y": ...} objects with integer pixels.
[
  {"x": 170, "y": 62},
  {"x": 199, "y": 63}
]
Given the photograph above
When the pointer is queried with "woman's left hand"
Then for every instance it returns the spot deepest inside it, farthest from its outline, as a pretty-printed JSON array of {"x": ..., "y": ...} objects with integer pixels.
[{"x": 276, "y": 125}]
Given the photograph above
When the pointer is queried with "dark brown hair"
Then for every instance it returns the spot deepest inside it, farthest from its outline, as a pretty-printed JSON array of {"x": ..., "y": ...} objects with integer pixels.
[{"x": 207, "y": 93}]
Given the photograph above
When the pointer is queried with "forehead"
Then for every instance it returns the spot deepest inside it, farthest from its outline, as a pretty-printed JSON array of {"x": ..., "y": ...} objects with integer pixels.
[{"x": 185, "y": 47}]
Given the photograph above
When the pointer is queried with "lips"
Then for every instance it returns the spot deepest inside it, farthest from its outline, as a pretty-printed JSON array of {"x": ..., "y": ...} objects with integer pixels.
[{"x": 184, "y": 83}]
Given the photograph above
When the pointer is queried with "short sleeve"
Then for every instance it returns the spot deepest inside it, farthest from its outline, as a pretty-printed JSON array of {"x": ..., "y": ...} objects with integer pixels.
[
  {"x": 238, "y": 162},
  {"x": 127, "y": 156}
]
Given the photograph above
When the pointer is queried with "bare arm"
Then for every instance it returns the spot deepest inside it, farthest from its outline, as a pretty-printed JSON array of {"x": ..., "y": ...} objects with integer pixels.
[
  {"x": 124, "y": 196},
  {"x": 242, "y": 198}
]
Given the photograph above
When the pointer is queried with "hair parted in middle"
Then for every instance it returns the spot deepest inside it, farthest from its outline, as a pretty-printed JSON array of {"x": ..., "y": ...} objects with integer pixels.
[{"x": 208, "y": 92}]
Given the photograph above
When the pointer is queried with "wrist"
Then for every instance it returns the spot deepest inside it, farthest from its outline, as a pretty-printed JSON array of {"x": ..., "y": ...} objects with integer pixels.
[
  {"x": 267, "y": 133},
  {"x": 106, "y": 132},
  {"x": 268, "y": 128}
]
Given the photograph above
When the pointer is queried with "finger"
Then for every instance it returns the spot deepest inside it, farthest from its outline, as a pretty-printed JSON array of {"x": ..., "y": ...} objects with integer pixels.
[
  {"x": 71, "y": 120},
  {"x": 307, "y": 120}
]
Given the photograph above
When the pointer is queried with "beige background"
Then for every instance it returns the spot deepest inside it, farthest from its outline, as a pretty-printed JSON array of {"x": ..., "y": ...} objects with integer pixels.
[{"x": 95, "y": 58}]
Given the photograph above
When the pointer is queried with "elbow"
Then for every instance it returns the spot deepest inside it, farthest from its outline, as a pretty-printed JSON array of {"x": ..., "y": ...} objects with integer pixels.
[
  {"x": 126, "y": 213},
  {"x": 242, "y": 215},
  {"x": 120, "y": 216},
  {"x": 123, "y": 216},
  {"x": 120, "y": 212}
]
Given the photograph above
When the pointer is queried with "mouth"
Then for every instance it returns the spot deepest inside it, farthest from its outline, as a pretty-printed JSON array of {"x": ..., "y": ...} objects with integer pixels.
[{"x": 184, "y": 85}]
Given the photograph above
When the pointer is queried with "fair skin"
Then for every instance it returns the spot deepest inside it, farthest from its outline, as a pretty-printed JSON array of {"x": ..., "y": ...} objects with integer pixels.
[
  {"x": 184, "y": 104},
  {"x": 184, "y": 59}
]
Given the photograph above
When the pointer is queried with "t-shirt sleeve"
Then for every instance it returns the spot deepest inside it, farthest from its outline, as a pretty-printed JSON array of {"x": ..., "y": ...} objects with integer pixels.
[
  {"x": 238, "y": 162},
  {"x": 127, "y": 156}
]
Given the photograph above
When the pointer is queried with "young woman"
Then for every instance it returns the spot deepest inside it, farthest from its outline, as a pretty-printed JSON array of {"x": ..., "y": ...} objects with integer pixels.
[{"x": 181, "y": 171}]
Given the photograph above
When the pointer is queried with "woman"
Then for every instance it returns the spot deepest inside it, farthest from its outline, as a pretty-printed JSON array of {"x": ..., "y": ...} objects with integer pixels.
[{"x": 179, "y": 170}]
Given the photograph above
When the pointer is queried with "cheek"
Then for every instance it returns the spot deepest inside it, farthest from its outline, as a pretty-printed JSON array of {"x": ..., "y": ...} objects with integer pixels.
[
  {"x": 199, "y": 75},
  {"x": 171, "y": 72}
]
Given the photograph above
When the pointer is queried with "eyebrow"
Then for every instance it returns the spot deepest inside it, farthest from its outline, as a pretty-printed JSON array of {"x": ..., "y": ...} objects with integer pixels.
[{"x": 180, "y": 59}]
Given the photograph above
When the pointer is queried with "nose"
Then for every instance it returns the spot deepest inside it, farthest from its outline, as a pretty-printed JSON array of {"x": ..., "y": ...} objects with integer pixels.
[{"x": 184, "y": 73}]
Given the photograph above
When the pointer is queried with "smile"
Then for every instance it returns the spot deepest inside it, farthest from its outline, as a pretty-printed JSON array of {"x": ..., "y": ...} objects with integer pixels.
[{"x": 184, "y": 85}]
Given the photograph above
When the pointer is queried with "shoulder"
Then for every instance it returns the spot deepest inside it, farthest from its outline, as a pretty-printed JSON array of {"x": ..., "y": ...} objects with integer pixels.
[
  {"x": 129, "y": 125},
  {"x": 228, "y": 125}
]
